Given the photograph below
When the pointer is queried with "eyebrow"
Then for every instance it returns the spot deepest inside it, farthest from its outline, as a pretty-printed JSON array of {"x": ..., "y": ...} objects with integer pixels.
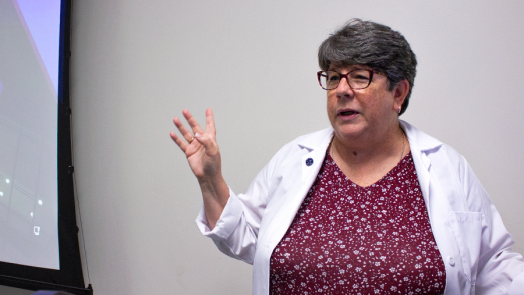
[{"x": 352, "y": 68}]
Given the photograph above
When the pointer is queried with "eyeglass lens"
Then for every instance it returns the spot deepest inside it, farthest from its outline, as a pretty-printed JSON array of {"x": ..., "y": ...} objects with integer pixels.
[{"x": 357, "y": 79}]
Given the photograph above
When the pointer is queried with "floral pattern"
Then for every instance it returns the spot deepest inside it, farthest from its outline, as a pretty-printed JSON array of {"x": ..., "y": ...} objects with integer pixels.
[{"x": 347, "y": 239}]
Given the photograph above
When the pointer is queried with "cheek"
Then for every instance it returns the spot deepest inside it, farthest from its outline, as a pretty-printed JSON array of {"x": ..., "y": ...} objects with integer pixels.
[
  {"x": 379, "y": 102},
  {"x": 331, "y": 104}
]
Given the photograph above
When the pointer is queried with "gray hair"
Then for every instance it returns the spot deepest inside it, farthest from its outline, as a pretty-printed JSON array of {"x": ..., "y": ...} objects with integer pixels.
[{"x": 377, "y": 46}]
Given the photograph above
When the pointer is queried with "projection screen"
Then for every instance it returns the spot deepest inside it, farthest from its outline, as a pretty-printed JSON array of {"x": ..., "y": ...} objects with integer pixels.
[{"x": 29, "y": 54}]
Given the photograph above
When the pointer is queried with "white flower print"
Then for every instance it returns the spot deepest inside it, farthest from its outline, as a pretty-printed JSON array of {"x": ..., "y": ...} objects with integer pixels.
[{"x": 345, "y": 235}]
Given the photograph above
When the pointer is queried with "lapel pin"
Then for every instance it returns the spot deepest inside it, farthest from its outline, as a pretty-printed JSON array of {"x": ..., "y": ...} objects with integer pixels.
[{"x": 309, "y": 161}]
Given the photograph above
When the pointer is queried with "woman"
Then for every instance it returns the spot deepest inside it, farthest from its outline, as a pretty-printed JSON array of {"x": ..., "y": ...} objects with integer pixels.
[{"x": 370, "y": 205}]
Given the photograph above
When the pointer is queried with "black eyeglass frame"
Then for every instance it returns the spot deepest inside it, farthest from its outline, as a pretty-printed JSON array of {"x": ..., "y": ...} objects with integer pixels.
[{"x": 371, "y": 73}]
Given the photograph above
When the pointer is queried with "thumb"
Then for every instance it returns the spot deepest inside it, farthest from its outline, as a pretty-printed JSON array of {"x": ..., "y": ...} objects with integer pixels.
[{"x": 211, "y": 147}]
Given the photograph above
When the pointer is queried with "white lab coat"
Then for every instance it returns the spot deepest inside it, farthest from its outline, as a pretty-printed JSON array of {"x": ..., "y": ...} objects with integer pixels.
[{"x": 468, "y": 230}]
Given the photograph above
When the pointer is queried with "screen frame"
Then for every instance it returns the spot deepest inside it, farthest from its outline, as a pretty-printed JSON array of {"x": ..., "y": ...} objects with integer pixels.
[{"x": 69, "y": 277}]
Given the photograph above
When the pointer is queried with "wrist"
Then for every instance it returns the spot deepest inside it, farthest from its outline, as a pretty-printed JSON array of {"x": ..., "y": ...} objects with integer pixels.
[
  {"x": 214, "y": 188},
  {"x": 210, "y": 182}
]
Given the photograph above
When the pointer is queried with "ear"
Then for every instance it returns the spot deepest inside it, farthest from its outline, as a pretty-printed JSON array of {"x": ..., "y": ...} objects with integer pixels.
[{"x": 400, "y": 91}]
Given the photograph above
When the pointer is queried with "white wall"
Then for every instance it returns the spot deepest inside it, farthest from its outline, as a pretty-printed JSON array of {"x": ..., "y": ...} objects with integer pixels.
[{"x": 136, "y": 64}]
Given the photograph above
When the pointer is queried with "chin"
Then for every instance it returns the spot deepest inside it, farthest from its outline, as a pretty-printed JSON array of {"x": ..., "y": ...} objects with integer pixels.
[{"x": 348, "y": 132}]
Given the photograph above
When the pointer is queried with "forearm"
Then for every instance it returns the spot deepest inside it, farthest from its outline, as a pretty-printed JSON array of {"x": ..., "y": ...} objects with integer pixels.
[{"x": 215, "y": 194}]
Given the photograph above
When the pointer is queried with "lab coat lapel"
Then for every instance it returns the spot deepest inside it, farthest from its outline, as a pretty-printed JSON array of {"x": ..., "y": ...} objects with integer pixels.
[
  {"x": 420, "y": 143},
  {"x": 310, "y": 171},
  {"x": 311, "y": 164},
  {"x": 422, "y": 165}
]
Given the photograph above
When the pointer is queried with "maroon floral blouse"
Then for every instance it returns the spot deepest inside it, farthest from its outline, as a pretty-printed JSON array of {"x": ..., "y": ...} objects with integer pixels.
[{"x": 347, "y": 239}]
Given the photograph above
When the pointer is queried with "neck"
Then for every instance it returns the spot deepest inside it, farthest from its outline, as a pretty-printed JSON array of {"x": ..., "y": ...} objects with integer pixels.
[{"x": 378, "y": 148}]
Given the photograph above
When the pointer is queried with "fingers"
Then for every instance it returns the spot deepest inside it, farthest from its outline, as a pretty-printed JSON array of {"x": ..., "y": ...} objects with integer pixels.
[
  {"x": 181, "y": 144},
  {"x": 188, "y": 135},
  {"x": 206, "y": 138},
  {"x": 210, "y": 122},
  {"x": 192, "y": 122}
]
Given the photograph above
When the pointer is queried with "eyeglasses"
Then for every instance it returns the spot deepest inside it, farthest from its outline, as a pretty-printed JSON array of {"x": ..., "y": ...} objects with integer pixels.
[{"x": 357, "y": 79}]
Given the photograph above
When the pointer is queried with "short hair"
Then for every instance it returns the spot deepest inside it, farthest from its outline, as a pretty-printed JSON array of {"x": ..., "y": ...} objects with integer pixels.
[{"x": 375, "y": 45}]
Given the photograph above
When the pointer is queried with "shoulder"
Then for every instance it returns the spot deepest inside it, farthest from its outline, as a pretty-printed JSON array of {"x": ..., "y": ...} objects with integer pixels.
[
  {"x": 450, "y": 168},
  {"x": 440, "y": 155},
  {"x": 294, "y": 150},
  {"x": 422, "y": 142},
  {"x": 311, "y": 141},
  {"x": 314, "y": 140}
]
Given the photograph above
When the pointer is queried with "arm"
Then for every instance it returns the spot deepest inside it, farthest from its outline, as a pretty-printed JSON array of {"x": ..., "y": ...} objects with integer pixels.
[
  {"x": 236, "y": 232},
  {"x": 231, "y": 221},
  {"x": 499, "y": 268},
  {"x": 203, "y": 156}
]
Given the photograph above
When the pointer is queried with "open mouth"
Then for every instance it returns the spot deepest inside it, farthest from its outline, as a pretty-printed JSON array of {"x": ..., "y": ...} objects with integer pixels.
[{"x": 348, "y": 113}]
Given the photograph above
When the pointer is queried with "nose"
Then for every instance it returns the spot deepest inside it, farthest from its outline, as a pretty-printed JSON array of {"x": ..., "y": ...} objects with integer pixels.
[{"x": 343, "y": 89}]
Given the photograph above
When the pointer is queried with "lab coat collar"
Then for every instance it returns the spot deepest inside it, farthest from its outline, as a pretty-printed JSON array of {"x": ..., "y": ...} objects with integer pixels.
[
  {"x": 419, "y": 140},
  {"x": 318, "y": 140}
]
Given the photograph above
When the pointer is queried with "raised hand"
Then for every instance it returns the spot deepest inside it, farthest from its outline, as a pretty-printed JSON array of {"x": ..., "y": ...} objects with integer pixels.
[
  {"x": 200, "y": 146},
  {"x": 202, "y": 153}
]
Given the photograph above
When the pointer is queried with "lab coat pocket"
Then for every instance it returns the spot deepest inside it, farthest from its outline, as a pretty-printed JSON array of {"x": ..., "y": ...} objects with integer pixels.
[{"x": 467, "y": 228}]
